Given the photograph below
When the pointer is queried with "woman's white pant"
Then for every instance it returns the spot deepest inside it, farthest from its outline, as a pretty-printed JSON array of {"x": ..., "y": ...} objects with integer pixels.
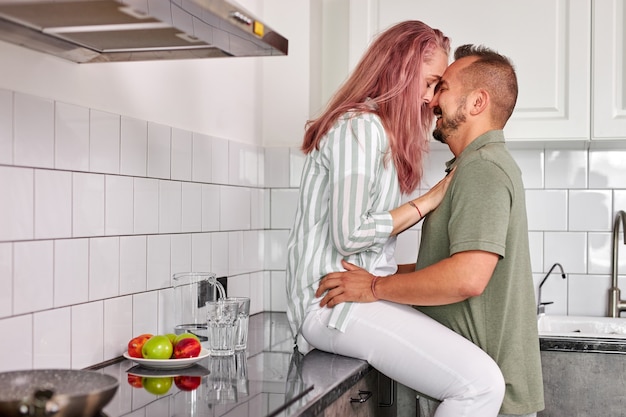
[{"x": 415, "y": 350}]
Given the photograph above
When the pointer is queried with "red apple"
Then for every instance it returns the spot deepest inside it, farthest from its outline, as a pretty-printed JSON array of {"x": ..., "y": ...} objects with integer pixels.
[
  {"x": 187, "y": 348},
  {"x": 187, "y": 382},
  {"x": 135, "y": 381},
  {"x": 136, "y": 343}
]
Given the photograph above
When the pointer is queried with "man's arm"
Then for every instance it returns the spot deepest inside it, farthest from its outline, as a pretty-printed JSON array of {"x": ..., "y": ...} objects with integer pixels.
[{"x": 457, "y": 278}]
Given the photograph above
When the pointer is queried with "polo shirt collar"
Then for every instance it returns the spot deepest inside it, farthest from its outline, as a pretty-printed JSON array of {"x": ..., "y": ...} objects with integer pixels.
[{"x": 492, "y": 136}]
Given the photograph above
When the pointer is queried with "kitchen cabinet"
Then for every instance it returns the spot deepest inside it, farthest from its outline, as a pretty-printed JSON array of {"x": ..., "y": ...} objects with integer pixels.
[
  {"x": 609, "y": 69},
  {"x": 549, "y": 41},
  {"x": 349, "y": 405}
]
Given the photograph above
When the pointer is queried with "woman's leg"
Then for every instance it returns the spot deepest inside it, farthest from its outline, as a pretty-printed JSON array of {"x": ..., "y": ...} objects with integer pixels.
[{"x": 415, "y": 350}]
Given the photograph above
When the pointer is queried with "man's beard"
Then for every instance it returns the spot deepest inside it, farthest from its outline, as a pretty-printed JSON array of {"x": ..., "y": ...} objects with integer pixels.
[{"x": 449, "y": 125}]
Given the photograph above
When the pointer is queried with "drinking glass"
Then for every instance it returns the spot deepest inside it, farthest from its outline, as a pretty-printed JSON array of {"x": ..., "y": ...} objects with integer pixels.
[
  {"x": 222, "y": 326},
  {"x": 241, "y": 339}
]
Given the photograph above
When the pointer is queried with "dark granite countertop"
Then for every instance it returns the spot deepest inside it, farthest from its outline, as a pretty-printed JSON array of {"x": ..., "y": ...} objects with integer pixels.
[{"x": 268, "y": 379}]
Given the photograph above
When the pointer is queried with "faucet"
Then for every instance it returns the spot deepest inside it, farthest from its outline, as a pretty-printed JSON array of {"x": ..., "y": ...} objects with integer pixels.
[
  {"x": 541, "y": 306},
  {"x": 616, "y": 304}
]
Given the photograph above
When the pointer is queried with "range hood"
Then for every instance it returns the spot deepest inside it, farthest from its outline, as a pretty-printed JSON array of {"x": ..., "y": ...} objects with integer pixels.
[{"x": 137, "y": 30}]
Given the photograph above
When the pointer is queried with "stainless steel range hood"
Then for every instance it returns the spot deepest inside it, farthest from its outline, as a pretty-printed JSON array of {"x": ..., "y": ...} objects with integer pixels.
[{"x": 136, "y": 30}]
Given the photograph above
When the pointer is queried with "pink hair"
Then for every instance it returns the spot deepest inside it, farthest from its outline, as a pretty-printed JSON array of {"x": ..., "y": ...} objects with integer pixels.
[{"x": 390, "y": 74}]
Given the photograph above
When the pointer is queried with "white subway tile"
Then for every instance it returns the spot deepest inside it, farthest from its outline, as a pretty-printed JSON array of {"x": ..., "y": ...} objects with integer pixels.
[
  {"x": 210, "y": 207},
  {"x": 607, "y": 168},
  {"x": 535, "y": 243},
  {"x": 71, "y": 137},
  {"x": 133, "y": 265},
  {"x": 566, "y": 168},
  {"x": 245, "y": 171},
  {"x": 279, "y": 295},
  {"x": 71, "y": 272},
  {"x": 546, "y": 209},
  {"x": 261, "y": 167},
  {"x": 33, "y": 131},
  {"x": 181, "y": 253},
  {"x": 17, "y": 208},
  {"x": 87, "y": 204},
  {"x": 220, "y": 161},
  {"x": 170, "y": 206},
  {"x": 118, "y": 213},
  {"x": 619, "y": 201},
  {"x": 283, "y": 208},
  {"x": 277, "y": 167},
  {"x": 181, "y": 154},
  {"x": 6, "y": 127},
  {"x": 237, "y": 263},
  {"x": 201, "y": 158},
  {"x": 234, "y": 208},
  {"x": 118, "y": 329},
  {"x": 588, "y": 295},
  {"x": 253, "y": 250},
  {"x": 296, "y": 164},
  {"x": 219, "y": 254},
  {"x": 567, "y": 248},
  {"x": 159, "y": 150},
  {"x": 239, "y": 286},
  {"x": 104, "y": 267},
  {"x": 159, "y": 253},
  {"x": 87, "y": 334},
  {"x": 20, "y": 328},
  {"x": 52, "y": 339},
  {"x": 6, "y": 279},
  {"x": 145, "y": 313},
  {"x": 600, "y": 250},
  {"x": 167, "y": 318},
  {"x": 590, "y": 210},
  {"x": 32, "y": 276},
  {"x": 530, "y": 163},
  {"x": 276, "y": 249},
  {"x": 146, "y": 206},
  {"x": 133, "y": 147},
  {"x": 104, "y": 142},
  {"x": 191, "y": 207},
  {"x": 257, "y": 292},
  {"x": 201, "y": 252},
  {"x": 53, "y": 204},
  {"x": 259, "y": 212}
]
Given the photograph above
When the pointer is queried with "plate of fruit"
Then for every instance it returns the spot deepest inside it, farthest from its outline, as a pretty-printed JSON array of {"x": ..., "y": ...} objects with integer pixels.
[{"x": 168, "y": 351}]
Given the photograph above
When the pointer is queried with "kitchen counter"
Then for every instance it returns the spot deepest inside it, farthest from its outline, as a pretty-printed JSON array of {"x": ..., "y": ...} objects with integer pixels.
[
  {"x": 268, "y": 379},
  {"x": 582, "y": 344}
]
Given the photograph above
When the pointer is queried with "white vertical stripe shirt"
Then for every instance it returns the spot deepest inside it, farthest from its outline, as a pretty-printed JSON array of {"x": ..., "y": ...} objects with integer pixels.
[{"x": 346, "y": 193}]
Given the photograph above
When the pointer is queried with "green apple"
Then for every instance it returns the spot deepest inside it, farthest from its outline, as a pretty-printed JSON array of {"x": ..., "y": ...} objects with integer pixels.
[
  {"x": 172, "y": 337},
  {"x": 185, "y": 336},
  {"x": 157, "y": 386},
  {"x": 157, "y": 347}
]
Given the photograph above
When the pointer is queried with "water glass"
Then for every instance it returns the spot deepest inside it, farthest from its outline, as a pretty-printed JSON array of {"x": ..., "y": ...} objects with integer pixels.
[
  {"x": 241, "y": 340},
  {"x": 222, "y": 326}
]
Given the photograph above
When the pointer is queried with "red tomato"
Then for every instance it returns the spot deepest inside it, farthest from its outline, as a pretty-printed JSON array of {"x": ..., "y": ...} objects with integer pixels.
[
  {"x": 136, "y": 343},
  {"x": 187, "y": 383},
  {"x": 187, "y": 348}
]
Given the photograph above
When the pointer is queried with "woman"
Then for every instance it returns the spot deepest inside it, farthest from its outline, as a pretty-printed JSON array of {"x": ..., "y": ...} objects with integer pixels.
[{"x": 362, "y": 154}]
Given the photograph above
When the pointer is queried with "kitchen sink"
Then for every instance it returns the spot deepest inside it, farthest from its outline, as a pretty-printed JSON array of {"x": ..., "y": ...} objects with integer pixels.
[{"x": 581, "y": 327}]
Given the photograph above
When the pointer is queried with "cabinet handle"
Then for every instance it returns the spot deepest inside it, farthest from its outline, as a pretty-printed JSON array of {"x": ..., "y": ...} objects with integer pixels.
[{"x": 363, "y": 396}]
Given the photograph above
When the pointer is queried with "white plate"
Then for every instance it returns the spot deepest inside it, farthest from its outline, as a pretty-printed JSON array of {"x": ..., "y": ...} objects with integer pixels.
[{"x": 168, "y": 363}]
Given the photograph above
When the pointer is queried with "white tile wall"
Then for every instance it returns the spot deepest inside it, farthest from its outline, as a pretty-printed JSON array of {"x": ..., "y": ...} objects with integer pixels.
[{"x": 98, "y": 211}]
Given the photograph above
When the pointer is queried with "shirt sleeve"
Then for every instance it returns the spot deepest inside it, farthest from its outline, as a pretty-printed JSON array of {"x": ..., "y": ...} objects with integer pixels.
[
  {"x": 356, "y": 154},
  {"x": 481, "y": 208}
]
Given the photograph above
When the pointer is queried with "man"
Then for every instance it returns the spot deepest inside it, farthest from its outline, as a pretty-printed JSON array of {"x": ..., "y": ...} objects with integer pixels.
[{"x": 473, "y": 270}]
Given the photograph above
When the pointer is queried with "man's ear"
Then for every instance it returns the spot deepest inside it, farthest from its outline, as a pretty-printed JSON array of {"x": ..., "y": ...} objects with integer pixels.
[{"x": 479, "y": 100}]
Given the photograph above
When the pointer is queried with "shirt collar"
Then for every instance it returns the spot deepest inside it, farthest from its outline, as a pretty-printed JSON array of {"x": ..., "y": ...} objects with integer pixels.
[{"x": 492, "y": 136}]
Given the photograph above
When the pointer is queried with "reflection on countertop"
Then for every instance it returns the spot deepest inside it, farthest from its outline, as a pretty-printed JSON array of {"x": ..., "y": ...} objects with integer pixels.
[{"x": 268, "y": 379}]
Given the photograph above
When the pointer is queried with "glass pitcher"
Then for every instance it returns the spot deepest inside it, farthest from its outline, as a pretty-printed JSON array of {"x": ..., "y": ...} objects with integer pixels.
[{"x": 191, "y": 292}]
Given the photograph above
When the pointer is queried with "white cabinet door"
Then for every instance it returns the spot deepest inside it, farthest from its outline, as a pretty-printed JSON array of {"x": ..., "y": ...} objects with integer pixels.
[
  {"x": 609, "y": 69},
  {"x": 549, "y": 41}
]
